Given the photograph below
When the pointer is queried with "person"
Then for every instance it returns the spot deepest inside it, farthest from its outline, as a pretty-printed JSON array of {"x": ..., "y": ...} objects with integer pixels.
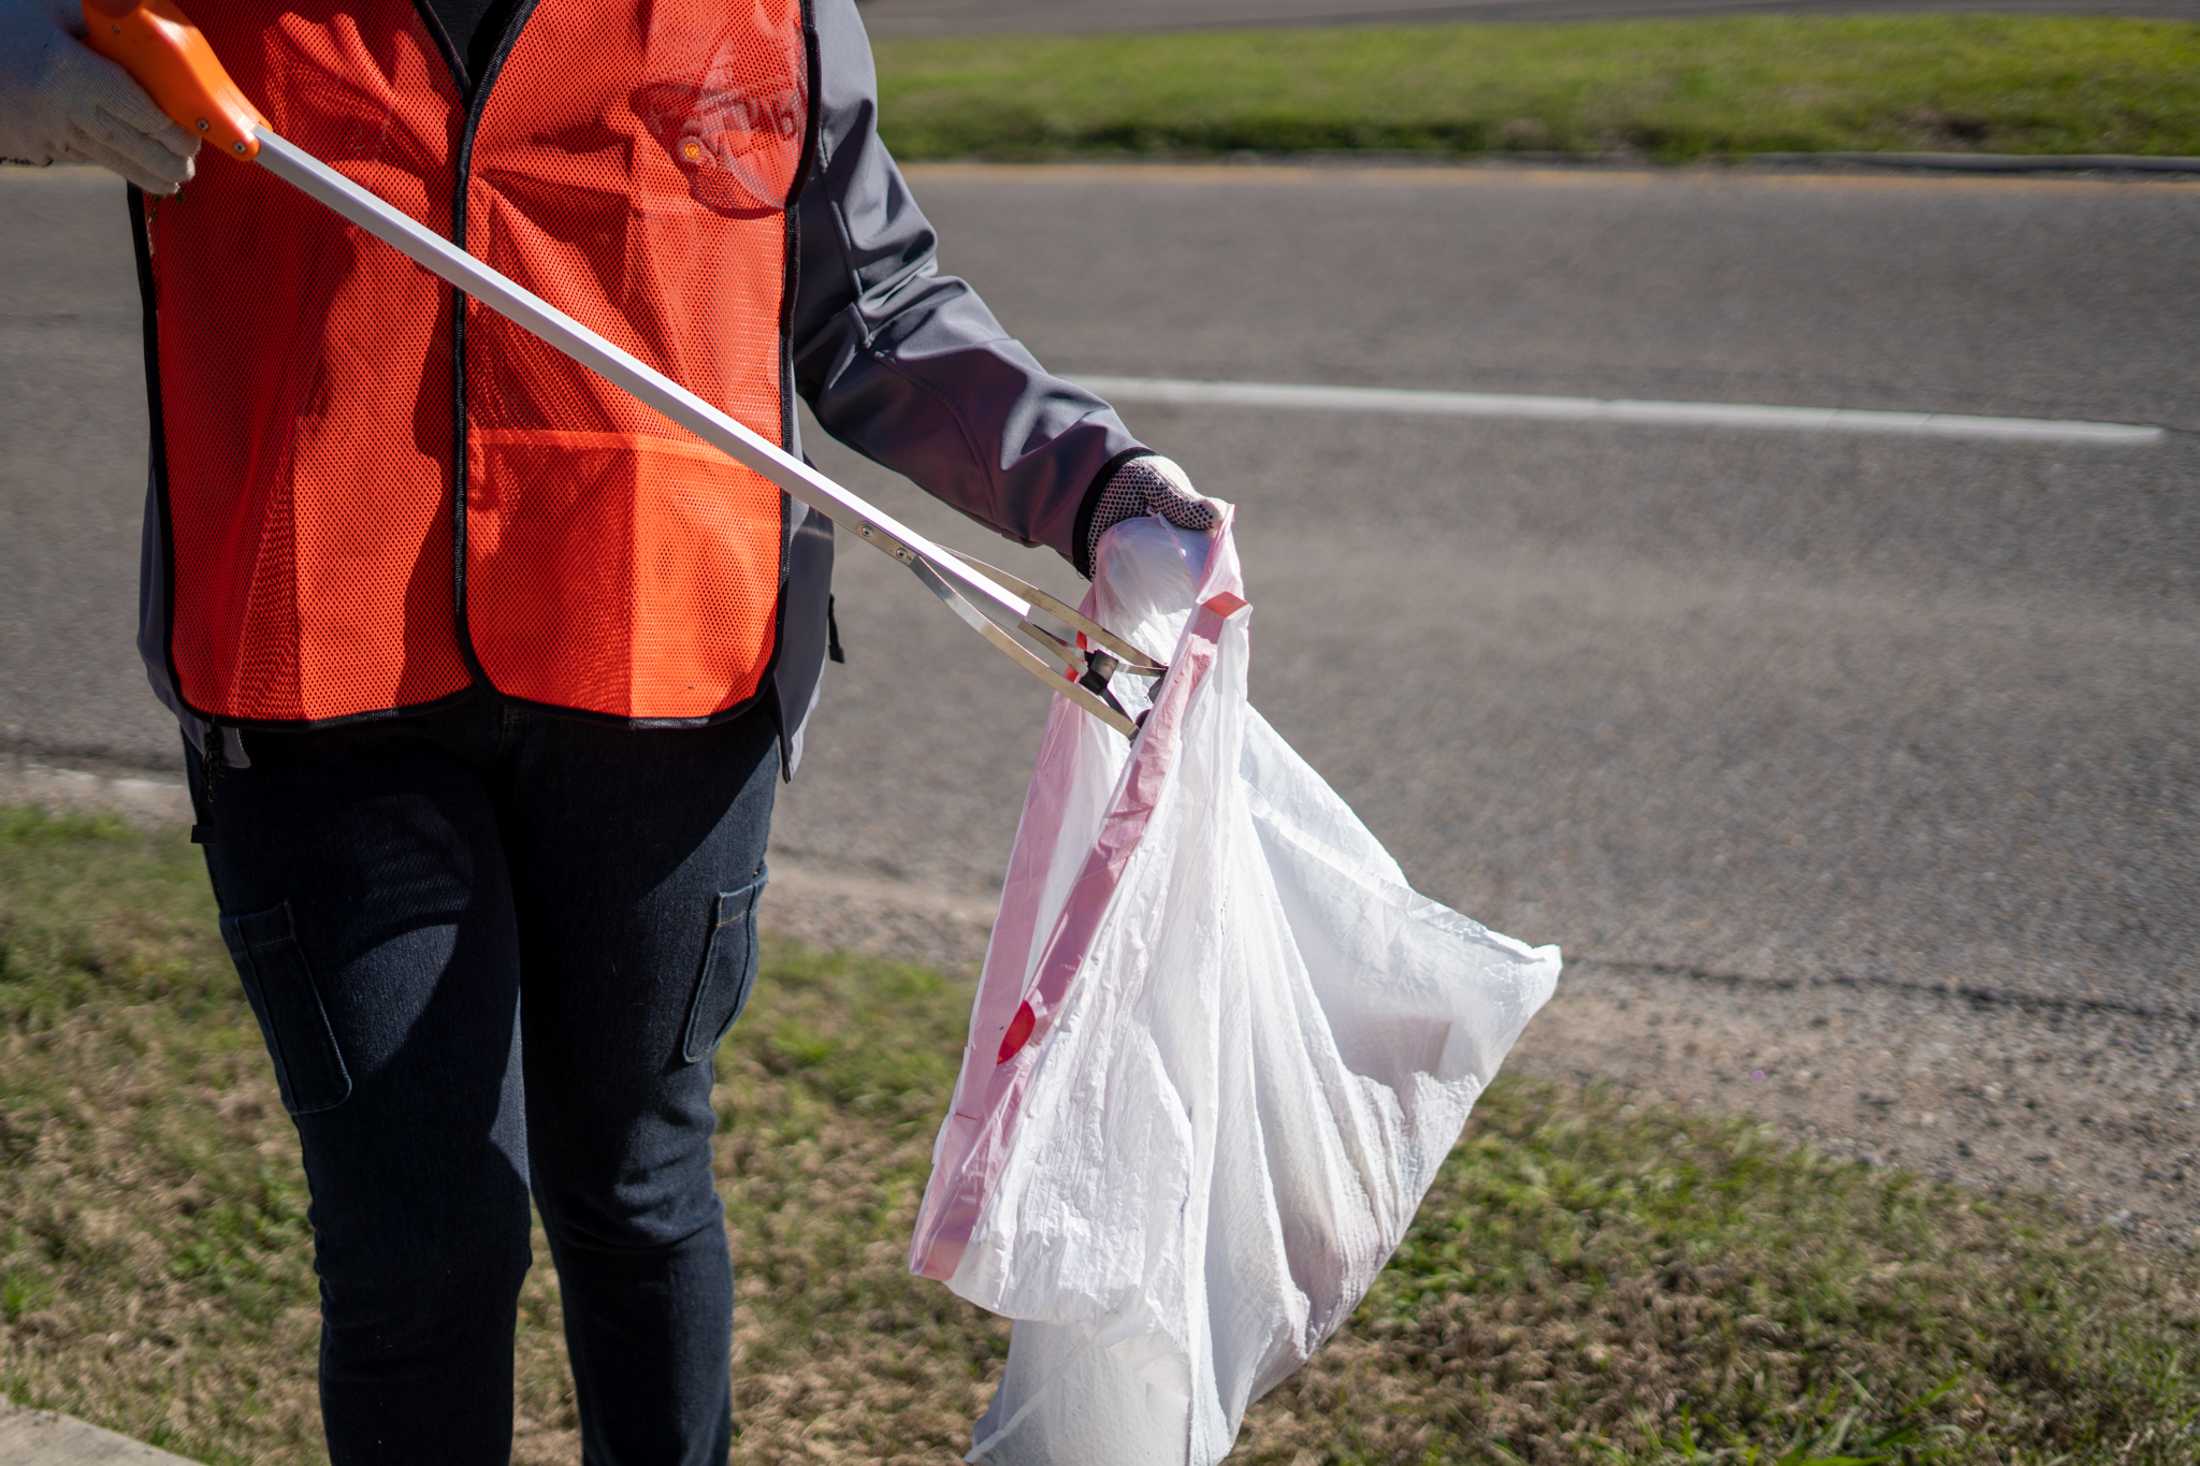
[{"x": 487, "y": 673}]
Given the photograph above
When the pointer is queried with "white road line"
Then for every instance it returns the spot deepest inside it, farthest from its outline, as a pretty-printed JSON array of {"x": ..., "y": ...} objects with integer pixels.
[{"x": 1522, "y": 406}]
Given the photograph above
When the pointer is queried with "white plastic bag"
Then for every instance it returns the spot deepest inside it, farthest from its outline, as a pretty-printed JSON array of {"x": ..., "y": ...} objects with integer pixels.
[{"x": 1219, "y": 1050}]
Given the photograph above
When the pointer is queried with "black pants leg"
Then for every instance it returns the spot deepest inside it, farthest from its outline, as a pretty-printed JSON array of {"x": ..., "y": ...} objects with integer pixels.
[
  {"x": 490, "y": 949},
  {"x": 637, "y": 861}
]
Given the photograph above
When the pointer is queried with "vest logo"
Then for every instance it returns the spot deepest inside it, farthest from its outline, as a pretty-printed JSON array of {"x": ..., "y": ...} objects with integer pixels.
[{"x": 738, "y": 146}]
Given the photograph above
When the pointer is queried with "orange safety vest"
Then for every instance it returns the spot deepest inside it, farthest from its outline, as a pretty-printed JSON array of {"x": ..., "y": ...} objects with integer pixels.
[{"x": 372, "y": 499}]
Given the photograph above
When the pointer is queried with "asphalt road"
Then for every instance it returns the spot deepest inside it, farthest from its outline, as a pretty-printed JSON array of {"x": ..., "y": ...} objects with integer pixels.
[
  {"x": 1886, "y": 743},
  {"x": 970, "y": 17},
  {"x": 1738, "y": 701}
]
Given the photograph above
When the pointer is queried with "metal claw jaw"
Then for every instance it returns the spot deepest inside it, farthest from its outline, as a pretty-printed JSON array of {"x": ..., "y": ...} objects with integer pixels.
[
  {"x": 1074, "y": 655},
  {"x": 1099, "y": 667}
]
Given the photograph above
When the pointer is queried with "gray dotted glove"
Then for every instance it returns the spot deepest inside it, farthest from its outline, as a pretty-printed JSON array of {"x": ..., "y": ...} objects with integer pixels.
[
  {"x": 61, "y": 102},
  {"x": 1148, "y": 485}
]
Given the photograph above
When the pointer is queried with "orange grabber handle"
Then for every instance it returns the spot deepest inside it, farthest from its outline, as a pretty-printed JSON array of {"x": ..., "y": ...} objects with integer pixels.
[{"x": 169, "y": 57}]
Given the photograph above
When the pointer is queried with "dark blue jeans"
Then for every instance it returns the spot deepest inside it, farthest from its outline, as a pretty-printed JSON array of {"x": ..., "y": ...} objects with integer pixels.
[{"x": 491, "y": 952}]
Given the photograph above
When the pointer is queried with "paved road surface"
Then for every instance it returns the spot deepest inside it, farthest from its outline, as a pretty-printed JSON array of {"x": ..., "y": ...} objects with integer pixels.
[
  {"x": 1740, "y": 701},
  {"x": 1865, "y": 762},
  {"x": 967, "y": 17}
]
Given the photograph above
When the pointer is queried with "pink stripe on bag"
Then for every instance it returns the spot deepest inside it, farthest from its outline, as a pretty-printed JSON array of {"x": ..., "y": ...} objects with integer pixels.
[{"x": 975, "y": 1146}]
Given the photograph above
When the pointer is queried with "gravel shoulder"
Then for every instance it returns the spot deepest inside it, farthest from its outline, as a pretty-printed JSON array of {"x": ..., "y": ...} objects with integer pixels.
[{"x": 2097, "y": 1105}]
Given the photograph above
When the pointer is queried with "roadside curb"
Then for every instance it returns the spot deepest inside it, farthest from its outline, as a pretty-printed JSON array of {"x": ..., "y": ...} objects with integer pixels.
[
  {"x": 2132, "y": 164},
  {"x": 2112, "y": 163},
  {"x": 142, "y": 799},
  {"x": 47, "y": 1438},
  {"x": 2095, "y": 166}
]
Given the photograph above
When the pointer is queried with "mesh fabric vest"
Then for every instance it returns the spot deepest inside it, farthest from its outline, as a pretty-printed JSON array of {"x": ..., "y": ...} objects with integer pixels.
[{"x": 375, "y": 493}]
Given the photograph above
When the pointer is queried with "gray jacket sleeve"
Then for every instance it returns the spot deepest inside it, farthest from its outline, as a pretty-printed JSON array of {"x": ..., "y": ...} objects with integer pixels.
[{"x": 907, "y": 365}]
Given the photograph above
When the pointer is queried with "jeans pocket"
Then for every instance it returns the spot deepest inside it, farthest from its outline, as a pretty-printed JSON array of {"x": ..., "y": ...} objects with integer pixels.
[
  {"x": 309, "y": 1067},
  {"x": 729, "y": 971}
]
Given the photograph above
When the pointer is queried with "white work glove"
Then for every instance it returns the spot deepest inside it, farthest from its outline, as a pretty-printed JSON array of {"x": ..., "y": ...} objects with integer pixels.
[
  {"x": 1149, "y": 485},
  {"x": 61, "y": 102}
]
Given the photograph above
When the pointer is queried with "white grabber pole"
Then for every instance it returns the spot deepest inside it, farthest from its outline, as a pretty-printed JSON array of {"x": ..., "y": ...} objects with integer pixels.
[{"x": 170, "y": 58}]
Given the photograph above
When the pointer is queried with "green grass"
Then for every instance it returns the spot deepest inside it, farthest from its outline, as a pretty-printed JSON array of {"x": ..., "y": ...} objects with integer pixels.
[
  {"x": 1668, "y": 90},
  {"x": 1589, "y": 1281}
]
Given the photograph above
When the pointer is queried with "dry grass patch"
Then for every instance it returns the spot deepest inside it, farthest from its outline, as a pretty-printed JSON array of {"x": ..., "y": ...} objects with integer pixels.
[{"x": 1589, "y": 1282}]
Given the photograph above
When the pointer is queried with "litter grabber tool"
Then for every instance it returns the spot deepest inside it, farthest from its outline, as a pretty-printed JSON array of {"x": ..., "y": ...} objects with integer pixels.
[{"x": 172, "y": 61}]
